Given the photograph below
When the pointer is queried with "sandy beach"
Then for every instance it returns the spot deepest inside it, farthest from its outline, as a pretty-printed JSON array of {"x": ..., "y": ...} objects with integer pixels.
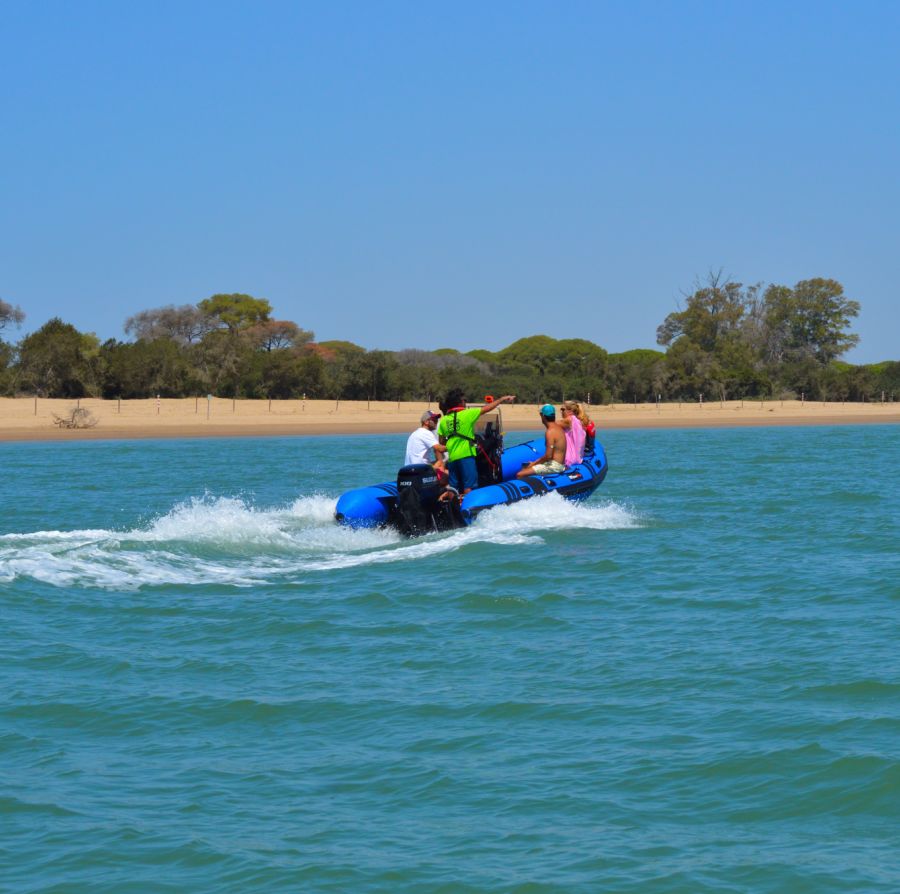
[{"x": 30, "y": 419}]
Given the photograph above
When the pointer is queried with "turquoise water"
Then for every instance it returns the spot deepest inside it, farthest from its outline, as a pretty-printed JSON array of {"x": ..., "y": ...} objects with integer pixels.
[{"x": 690, "y": 683}]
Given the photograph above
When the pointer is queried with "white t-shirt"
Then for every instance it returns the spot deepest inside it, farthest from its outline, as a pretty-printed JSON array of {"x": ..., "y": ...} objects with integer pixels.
[{"x": 419, "y": 447}]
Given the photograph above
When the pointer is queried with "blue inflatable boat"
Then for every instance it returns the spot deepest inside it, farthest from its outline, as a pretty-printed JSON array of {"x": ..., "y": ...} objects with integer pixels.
[{"x": 416, "y": 503}]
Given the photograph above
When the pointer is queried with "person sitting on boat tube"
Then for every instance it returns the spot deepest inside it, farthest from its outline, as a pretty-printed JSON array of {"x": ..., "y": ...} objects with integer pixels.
[
  {"x": 580, "y": 431},
  {"x": 553, "y": 460},
  {"x": 423, "y": 446},
  {"x": 457, "y": 431}
]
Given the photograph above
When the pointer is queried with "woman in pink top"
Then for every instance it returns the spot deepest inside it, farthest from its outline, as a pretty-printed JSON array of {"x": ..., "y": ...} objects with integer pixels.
[{"x": 574, "y": 429}]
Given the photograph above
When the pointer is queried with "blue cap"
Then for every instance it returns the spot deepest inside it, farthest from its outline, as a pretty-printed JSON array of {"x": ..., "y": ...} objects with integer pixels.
[{"x": 548, "y": 410}]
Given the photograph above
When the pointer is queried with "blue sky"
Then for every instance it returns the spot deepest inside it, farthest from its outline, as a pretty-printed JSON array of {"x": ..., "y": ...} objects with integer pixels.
[{"x": 425, "y": 175}]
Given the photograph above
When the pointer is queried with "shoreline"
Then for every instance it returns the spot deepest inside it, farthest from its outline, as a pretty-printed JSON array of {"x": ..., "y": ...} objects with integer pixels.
[{"x": 30, "y": 419}]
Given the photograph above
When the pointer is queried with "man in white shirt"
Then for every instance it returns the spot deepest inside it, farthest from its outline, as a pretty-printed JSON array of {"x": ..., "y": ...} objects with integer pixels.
[{"x": 423, "y": 446}]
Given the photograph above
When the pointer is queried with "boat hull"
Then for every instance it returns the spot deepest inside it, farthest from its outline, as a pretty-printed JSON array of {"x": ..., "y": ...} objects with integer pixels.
[{"x": 374, "y": 506}]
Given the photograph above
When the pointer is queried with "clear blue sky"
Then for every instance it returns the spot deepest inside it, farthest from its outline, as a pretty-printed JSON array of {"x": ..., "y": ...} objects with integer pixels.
[{"x": 426, "y": 175}]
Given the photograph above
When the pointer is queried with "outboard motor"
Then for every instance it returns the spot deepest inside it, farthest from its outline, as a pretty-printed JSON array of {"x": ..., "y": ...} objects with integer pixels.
[
  {"x": 489, "y": 442},
  {"x": 419, "y": 511}
]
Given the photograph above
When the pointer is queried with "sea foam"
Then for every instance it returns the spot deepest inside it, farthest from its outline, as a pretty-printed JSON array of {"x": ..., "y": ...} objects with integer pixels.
[{"x": 228, "y": 541}]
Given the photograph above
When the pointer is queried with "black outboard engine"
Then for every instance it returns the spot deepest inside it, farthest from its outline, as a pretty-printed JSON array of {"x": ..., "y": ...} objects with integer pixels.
[
  {"x": 419, "y": 511},
  {"x": 489, "y": 442}
]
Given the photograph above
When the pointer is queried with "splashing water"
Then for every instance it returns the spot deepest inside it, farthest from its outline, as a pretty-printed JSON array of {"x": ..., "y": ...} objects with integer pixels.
[{"x": 227, "y": 541}]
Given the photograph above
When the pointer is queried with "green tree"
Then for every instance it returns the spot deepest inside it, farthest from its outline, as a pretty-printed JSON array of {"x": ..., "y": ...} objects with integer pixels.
[
  {"x": 886, "y": 378},
  {"x": 59, "y": 361},
  {"x": 714, "y": 311},
  {"x": 236, "y": 311},
  {"x": 220, "y": 361},
  {"x": 637, "y": 375},
  {"x": 145, "y": 368},
  {"x": 810, "y": 320}
]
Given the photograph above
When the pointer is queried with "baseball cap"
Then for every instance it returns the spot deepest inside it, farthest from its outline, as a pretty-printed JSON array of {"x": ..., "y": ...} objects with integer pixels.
[
  {"x": 429, "y": 415},
  {"x": 548, "y": 410}
]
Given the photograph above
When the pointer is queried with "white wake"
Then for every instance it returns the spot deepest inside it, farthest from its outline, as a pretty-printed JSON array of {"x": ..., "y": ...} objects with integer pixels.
[{"x": 227, "y": 541}]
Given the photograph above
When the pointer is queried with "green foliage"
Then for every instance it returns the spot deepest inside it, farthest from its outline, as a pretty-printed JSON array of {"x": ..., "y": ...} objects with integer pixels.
[
  {"x": 143, "y": 368},
  {"x": 810, "y": 320},
  {"x": 60, "y": 361},
  {"x": 714, "y": 313},
  {"x": 729, "y": 341},
  {"x": 236, "y": 311},
  {"x": 8, "y": 374},
  {"x": 886, "y": 377}
]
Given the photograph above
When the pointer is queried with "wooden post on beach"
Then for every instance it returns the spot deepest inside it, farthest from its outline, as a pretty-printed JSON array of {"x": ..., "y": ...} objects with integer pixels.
[
  {"x": 701, "y": 400},
  {"x": 119, "y": 407},
  {"x": 196, "y": 405},
  {"x": 208, "y": 404},
  {"x": 157, "y": 405},
  {"x": 233, "y": 403},
  {"x": 270, "y": 404},
  {"x": 78, "y": 403},
  {"x": 35, "y": 405}
]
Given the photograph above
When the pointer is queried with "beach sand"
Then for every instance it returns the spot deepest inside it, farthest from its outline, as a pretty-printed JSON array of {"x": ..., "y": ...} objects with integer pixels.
[{"x": 30, "y": 419}]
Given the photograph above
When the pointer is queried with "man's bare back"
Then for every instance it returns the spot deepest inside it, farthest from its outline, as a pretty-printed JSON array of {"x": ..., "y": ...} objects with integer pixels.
[
  {"x": 554, "y": 459},
  {"x": 555, "y": 440}
]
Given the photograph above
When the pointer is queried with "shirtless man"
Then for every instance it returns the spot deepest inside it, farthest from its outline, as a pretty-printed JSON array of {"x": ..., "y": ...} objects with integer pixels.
[{"x": 553, "y": 460}]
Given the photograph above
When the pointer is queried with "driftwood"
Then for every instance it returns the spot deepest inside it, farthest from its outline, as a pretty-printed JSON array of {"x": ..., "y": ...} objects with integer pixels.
[{"x": 78, "y": 417}]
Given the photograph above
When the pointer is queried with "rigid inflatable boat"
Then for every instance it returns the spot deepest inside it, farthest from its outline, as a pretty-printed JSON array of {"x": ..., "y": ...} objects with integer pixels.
[{"x": 416, "y": 503}]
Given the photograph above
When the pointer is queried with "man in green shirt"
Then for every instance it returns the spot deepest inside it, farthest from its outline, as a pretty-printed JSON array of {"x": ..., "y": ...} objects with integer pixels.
[{"x": 457, "y": 430}]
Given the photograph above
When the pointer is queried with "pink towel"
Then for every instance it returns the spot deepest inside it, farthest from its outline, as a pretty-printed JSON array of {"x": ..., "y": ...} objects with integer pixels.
[{"x": 574, "y": 442}]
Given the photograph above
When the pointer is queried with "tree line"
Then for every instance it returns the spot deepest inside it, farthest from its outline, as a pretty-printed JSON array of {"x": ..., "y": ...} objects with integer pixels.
[{"x": 728, "y": 341}]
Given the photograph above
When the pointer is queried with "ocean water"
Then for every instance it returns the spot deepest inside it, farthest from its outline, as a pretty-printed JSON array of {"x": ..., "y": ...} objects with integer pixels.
[{"x": 689, "y": 683}]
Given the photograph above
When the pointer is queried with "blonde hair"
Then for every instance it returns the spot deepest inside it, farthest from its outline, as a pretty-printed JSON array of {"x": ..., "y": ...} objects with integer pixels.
[{"x": 574, "y": 407}]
